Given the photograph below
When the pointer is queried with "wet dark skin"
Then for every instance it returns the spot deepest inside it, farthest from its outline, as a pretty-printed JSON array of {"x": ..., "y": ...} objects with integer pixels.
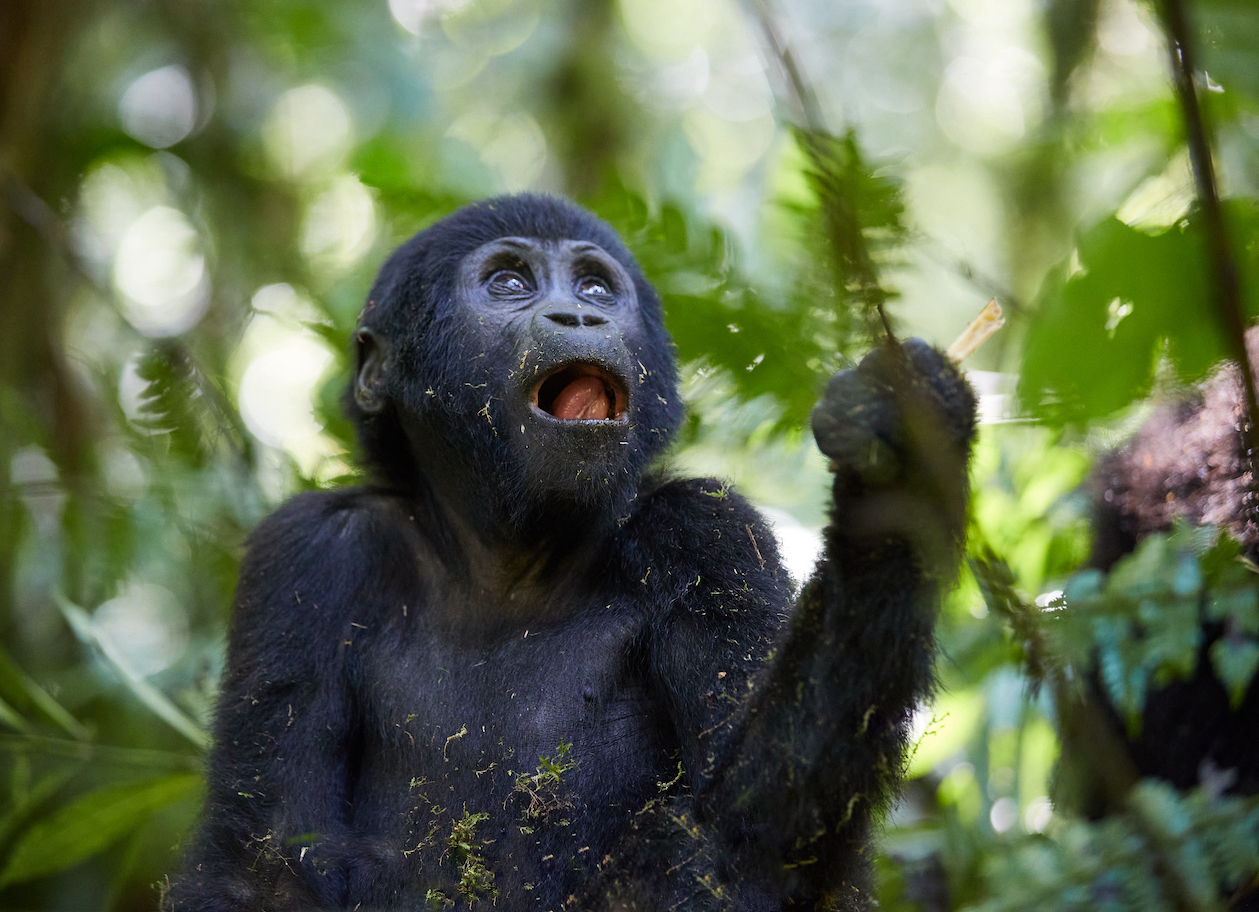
[{"x": 526, "y": 671}]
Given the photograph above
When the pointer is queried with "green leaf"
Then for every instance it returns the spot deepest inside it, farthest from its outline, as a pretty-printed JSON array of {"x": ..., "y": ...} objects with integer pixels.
[
  {"x": 1169, "y": 821},
  {"x": 1230, "y": 43},
  {"x": 167, "y": 403},
  {"x": 1221, "y": 558},
  {"x": 1151, "y": 568},
  {"x": 91, "y": 824},
  {"x": 31, "y": 702},
  {"x": 157, "y": 702},
  {"x": 1173, "y": 635},
  {"x": 27, "y": 801},
  {"x": 1235, "y": 660},
  {"x": 1126, "y": 680},
  {"x": 860, "y": 212},
  {"x": 1240, "y": 606},
  {"x": 9, "y": 716},
  {"x": 1084, "y": 586},
  {"x": 1099, "y": 331}
]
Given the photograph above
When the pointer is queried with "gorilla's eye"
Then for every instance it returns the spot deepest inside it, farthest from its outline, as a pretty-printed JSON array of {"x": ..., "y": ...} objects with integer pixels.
[
  {"x": 508, "y": 284},
  {"x": 593, "y": 286}
]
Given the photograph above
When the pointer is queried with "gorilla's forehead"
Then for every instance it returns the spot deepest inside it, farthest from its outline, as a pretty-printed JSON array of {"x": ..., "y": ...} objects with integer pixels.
[
  {"x": 550, "y": 245},
  {"x": 526, "y": 216}
]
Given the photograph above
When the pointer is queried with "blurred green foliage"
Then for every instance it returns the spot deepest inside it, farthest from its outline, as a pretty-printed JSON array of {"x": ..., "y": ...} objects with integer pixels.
[
  {"x": 194, "y": 197},
  {"x": 1123, "y": 306}
]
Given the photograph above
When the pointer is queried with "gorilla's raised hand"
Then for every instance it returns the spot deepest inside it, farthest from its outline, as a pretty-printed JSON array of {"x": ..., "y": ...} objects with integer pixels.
[
  {"x": 898, "y": 429},
  {"x": 868, "y": 420}
]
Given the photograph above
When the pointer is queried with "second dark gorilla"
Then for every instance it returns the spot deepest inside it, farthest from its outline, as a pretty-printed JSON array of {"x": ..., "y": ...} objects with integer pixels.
[{"x": 522, "y": 670}]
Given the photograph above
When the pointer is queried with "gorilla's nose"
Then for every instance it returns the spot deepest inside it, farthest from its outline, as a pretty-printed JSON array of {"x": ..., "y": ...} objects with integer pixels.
[{"x": 571, "y": 318}]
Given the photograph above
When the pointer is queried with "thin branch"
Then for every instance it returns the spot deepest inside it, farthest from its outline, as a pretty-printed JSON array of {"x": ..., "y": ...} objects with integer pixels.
[
  {"x": 1224, "y": 266},
  {"x": 812, "y": 126},
  {"x": 807, "y": 108},
  {"x": 1082, "y": 724}
]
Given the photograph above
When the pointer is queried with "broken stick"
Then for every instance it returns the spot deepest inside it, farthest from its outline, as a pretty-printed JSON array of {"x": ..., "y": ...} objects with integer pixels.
[{"x": 983, "y": 326}]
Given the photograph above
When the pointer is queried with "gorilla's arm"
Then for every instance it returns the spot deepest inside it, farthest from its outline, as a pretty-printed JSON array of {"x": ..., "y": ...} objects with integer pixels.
[
  {"x": 791, "y": 775},
  {"x": 273, "y": 832}
]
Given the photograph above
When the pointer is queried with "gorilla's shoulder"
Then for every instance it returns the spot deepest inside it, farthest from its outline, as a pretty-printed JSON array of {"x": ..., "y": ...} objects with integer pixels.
[
  {"x": 314, "y": 525},
  {"x": 700, "y": 516},
  {"x": 693, "y": 528},
  {"x": 693, "y": 501},
  {"x": 320, "y": 551}
]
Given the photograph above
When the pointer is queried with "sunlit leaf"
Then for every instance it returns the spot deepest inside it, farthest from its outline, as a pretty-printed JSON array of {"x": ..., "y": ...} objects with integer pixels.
[{"x": 1098, "y": 333}]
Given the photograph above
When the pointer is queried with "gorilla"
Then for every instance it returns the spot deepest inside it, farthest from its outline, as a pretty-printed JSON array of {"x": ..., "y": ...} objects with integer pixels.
[
  {"x": 525, "y": 667},
  {"x": 1187, "y": 464}
]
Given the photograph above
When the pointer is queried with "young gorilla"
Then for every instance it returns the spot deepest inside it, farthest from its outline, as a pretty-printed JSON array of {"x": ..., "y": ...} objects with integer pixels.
[{"x": 521, "y": 668}]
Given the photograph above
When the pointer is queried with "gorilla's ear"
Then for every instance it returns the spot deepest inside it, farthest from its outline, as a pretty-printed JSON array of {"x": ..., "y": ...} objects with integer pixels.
[{"x": 371, "y": 379}]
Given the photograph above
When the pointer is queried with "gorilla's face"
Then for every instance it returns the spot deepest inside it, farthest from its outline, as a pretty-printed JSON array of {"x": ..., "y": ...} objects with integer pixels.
[
  {"x": 528, "y": 398},
  {"x": 555, "y": 326},
  {"x": 512, "y": 361},
  {"x": 570, "y": 315}
]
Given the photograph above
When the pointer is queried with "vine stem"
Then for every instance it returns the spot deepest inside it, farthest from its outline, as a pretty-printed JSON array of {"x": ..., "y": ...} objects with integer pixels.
[
  {"x": 807, "y": 108},
  {"x": 1224, "y": 266},
  {"x": 808, "y": 112}
]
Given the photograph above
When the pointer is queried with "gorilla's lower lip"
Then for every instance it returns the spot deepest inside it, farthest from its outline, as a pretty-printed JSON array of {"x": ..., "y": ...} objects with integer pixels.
[{"x": 581, "y": 392}]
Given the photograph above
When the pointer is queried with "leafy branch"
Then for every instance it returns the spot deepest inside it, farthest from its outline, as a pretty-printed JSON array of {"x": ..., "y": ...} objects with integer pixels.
[
  {"x": 854, "y": 200},
  {"x": 1080, "y": 721}
]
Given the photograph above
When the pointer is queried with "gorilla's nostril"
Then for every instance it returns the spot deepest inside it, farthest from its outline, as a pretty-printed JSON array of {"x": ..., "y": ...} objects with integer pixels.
[
  {"x": 572, "y": 319},
  {"x": 564, "y": 318}
]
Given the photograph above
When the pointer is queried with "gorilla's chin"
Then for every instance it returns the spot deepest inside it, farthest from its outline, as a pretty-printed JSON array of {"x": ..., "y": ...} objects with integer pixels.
[{"x": 578, "y": 470}]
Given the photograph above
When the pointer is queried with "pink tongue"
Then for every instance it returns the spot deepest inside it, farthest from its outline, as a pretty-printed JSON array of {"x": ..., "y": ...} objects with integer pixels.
[{"x": 584, "y": 398}]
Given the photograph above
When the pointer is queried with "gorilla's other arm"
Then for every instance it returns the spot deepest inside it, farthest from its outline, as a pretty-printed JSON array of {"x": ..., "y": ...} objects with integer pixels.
[
  {"x": 285, "y": 729},
  {"x": 791, "y": 779}
]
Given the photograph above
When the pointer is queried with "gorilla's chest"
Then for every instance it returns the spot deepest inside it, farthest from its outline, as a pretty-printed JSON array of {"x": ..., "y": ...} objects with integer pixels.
[
  {"x": 555, "y": 734},
  {"x": 537, "y": 691}
]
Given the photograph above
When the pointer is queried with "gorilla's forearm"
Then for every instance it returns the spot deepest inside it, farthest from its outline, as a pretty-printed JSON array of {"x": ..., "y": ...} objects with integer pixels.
[{"x": 819, "y": 745}]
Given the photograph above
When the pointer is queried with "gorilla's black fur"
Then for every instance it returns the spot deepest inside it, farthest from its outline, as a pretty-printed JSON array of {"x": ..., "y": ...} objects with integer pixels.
[
  {"x": 1185, "y": 464},
  {"x": 523, "y": 670}
]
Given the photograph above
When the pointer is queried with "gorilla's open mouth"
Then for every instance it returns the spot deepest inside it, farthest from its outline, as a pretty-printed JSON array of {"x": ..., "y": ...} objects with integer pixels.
[{"x": 581, "y": 392}]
